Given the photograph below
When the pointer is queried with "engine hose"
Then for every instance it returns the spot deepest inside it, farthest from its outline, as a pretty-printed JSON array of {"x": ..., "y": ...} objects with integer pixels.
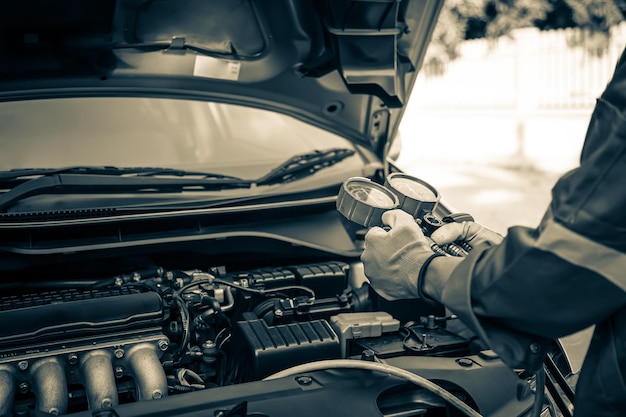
[
  {"x": 182, "y": 388},
  {"x": 380, "y": 367},
  {"x": 186, "y": 326}
]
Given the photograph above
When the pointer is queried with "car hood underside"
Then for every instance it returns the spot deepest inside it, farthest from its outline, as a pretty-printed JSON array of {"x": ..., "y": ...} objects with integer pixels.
[{"x": 346, "y": 66}]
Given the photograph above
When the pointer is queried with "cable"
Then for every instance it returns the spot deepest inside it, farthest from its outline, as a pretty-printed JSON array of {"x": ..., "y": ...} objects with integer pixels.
[
  {"x": 184, "y": 318},
  {"x": 556, "y": 398},
  {"x": 247, "y": 289},
  {"x": 267, "y": 291},
  {"x": 555, "y": 372},
  {"x": 540, "y": 385},
  {"x": 196, "y": 283},
  {"x": 380, "y": 367}
]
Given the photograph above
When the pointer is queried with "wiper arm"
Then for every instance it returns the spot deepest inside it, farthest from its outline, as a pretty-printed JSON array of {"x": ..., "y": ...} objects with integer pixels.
[
  {"x": 107, "y": 179},
  {"x": 14, "y": 174},
  {"x": 93, "y": 183},
  {"x": 304, "y": 165},
  {"x": 108, "y": 170}
]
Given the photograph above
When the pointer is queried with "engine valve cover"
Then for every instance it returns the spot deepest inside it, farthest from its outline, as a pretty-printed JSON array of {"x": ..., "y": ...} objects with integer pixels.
[{"x": 37, "y": 318}]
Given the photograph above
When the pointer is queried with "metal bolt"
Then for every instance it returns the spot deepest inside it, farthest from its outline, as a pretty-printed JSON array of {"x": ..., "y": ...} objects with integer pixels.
[
  {"x": 106, "y": 403},
  {"x": 156, "y": 394},
  {"x": 465, "y": 362},
  {"x": 22, "y": 365},
  {"x": 53, "y": 411},
  {"x": 163, "y": 345},
  {"x": 119, "y": 372},
  {"x": 535, "y": 348},
  {"x": 118, "y": 353},
  {"x": 304, "y": 380},
  {"x": 72, "y": 359},
  {"x": 368, "y": 355},
  {"x": 278, "y": 312},
  {"x": 24, "y": 387}
]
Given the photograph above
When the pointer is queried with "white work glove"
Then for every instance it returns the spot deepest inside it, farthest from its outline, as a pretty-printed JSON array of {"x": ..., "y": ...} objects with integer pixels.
[
  {"x": 473, "y": 233},
  {"x": 393, "y": 259}
]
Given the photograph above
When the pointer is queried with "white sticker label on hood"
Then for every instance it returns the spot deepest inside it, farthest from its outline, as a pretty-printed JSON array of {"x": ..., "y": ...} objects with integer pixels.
[{"x": 209, "y": 67}]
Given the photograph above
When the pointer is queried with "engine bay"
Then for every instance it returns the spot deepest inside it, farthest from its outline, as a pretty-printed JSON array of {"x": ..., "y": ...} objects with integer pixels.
[
  {"x": 160, "y": 333},
  {"x": 242, "y": 313}
]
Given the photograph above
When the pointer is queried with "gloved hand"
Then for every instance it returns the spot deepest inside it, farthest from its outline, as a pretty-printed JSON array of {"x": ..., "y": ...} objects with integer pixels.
[
  {"x": 392, "y": 259},
  {"x": 473, "y": 233}
]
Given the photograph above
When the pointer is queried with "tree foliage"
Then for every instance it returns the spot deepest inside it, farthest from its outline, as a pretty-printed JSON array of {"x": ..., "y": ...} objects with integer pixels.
[{"x": 471, "y": 19}]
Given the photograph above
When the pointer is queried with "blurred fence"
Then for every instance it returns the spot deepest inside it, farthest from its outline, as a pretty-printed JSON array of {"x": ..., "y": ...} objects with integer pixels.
[
  {"x": 572, "y": 77},
  {"x": 528, "y": 96},
  {"x": 534, "y": 68}
]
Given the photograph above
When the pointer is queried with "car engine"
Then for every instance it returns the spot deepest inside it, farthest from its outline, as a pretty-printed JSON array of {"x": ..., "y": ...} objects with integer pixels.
[
  {"x": 150, "y": 334},
  {"x": 156, "y": 333}
]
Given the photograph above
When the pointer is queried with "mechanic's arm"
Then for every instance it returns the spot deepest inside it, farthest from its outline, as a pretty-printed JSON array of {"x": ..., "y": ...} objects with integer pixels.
[
  {"x": 537, "y": 284},
  {"x": 568, "y": 273},
  {"x": 438, "y": 273},
  {"x": 521, "y": 293},
  {"x": 516, "y": 295}
]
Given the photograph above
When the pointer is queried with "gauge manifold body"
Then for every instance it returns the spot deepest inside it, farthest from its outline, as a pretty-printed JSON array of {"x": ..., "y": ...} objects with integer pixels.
[{"x": 363, "y": 201}]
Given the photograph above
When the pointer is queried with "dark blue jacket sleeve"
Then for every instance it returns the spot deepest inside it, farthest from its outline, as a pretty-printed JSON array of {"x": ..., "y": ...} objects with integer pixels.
[{"x": 569, "y": 272}]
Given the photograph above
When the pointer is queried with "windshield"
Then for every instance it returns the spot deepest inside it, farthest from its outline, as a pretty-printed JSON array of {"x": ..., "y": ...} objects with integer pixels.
[{"x": 150, "y": 132}]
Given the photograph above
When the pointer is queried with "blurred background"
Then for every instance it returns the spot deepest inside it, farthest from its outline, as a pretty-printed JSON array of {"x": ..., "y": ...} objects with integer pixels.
[{"x": 503, "y": 100}]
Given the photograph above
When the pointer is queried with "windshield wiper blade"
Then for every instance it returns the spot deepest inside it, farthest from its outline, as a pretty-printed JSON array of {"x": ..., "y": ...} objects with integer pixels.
[
  {"x": 109, "y": 170},
  {"x": 33, "y": 172},
  {"x": 173, "y": 172},
  {"x": 65, "y": 183},
  {"x": 304, "y": 165}
]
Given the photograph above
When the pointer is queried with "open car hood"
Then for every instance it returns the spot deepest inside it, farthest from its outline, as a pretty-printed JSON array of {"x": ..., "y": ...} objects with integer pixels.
[{"x": 345, "y": 66}]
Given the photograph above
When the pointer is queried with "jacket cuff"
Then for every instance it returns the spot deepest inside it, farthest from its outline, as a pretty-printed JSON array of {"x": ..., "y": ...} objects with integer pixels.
[{"x": 420, "y": 280}]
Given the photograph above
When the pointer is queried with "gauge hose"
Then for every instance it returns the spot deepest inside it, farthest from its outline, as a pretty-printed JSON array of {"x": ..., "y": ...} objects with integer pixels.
[
  {"x": 380, "y": 367},
  {"x": 540, "y": 386}
]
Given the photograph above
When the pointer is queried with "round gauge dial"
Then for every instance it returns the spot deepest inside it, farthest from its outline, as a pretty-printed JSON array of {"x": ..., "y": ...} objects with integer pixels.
[
  {"x": 413, "y": 189},
  {"x": 363, "y": 201},
  {"x": 416, "y": 197},
  {"x": 370, "y": 195}
]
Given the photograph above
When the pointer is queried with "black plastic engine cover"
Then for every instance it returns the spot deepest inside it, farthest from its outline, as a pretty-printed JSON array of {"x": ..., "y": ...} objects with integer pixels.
[
  {"x": 326, "y": 279},
  {"x": 269, "y": 349},
  {"x": 36, "y": 318}
]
